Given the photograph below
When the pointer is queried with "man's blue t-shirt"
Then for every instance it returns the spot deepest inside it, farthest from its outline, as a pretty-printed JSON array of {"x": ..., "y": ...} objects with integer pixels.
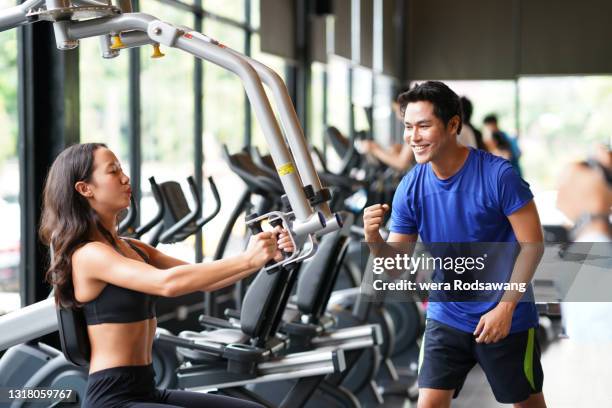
[{"x": 470, "y": 206}]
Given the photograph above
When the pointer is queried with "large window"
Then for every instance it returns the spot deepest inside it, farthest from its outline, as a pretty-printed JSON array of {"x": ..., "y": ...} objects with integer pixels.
[
  {"x": 224, "y": 124},
  {"x": 317, "y": 104},
  {"x": 383, "y": 116},
  {"x": 255, "y": 17},
  {"x": 104, "y": 99},
  {"x": 562, "y": 120},
  {"x": 233, "y": 9},
  {"x": 9, "y": 172},
  {"x": 362, "y": 98},
  {"x": 277, "y": 64},
  {"x": 167, "y": 119},
  {"x": 338, "y": 105},
  {"x": 224, "y": 97}
]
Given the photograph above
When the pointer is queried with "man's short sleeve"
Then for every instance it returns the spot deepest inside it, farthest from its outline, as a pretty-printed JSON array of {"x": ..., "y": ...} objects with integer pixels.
[
  {"x": 513, "y": 191},
  {"x": 403, "y": 219}
]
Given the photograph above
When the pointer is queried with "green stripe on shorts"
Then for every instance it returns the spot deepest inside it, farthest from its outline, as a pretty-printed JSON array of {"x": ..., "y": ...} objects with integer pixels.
[{"x": 528, "y": 362}]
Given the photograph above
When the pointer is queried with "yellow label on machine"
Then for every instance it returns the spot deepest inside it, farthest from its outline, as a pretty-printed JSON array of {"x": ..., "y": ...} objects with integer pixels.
[{"x": 285, "y": 169}]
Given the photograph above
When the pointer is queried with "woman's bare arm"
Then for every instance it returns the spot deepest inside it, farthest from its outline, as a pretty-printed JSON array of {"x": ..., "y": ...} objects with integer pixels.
[
  {"x": 229, "y": 281},
  {"x": 100, "y": 262}
]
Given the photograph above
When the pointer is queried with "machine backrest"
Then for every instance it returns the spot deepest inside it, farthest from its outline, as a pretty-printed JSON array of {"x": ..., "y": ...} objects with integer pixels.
[
  {"x": 343, "y": 148},
  {"x": 257, "y": 180},
  {"x": 73, "y": 336},
  {"x": 176, "y": 204},
  {"x": 263, "y": 293},
  {"x": 72, "y": 330},
  {"x": 319, "y": 275},
  {"x": 336, "y": 139}
]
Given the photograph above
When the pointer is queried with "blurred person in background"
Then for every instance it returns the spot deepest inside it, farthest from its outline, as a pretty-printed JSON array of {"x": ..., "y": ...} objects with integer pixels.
[
  {"x": 497, "y": 144},
  {"x": 490, "y": 128},
  {"x": 469, "y": 136},
  {"x": 399, "y": 156},
  {"x": 585, "y": 197}
]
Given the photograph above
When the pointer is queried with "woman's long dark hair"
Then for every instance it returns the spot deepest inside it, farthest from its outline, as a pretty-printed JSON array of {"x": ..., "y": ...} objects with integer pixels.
[{"x": 67, "y": 218}]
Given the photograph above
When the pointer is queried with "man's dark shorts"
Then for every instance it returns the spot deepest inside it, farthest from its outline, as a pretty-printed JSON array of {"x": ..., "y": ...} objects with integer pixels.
[{"x": 512, "y": 365}]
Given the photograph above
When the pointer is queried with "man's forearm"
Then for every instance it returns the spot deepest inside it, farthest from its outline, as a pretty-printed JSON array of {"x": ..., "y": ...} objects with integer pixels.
[{"x": 524, "y": 269}]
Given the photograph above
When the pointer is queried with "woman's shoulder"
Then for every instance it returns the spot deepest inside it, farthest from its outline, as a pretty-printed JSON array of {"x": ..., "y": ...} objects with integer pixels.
[
  {"x": 89, "y": 262},
  {"x": 91, "y": 253},
  {"x": 87, "y": 258}
]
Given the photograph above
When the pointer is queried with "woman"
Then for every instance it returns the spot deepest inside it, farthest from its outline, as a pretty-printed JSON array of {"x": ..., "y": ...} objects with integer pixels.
[{"x": 116, "y": 280}]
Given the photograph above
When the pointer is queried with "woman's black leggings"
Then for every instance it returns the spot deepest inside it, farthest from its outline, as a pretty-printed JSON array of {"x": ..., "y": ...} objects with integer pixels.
[{"x": 134, "y": 387}]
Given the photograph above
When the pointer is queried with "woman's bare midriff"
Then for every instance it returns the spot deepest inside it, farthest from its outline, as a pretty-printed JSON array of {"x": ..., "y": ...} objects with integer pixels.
[{"x": 121, "y": 344}]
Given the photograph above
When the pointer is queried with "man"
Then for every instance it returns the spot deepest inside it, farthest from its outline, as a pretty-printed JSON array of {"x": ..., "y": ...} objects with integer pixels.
[
  {"x": 491, "y": 128},
  {"x": 458, "y": 194}
]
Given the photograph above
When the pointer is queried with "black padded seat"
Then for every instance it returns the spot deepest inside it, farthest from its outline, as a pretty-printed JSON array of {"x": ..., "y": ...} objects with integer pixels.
[
  {"x": 262, "y": 309},
  {"x": 260, "y": 305},
  {"x": 257, "y": 180},
  {"x": 221, "y": 336},
  {"x": 319, "y": 275},
  {"x": 73, "y": 335},
  {"x": 338, "y": 141}
]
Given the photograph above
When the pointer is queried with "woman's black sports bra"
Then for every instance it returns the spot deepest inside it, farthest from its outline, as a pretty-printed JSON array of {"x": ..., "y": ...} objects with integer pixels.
[{"x": 120, "y": 305}]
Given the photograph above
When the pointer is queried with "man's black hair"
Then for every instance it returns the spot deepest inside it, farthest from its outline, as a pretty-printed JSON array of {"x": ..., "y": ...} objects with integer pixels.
[
  {"x": 467, "y": 108},
  {"x": 445, "y": 102},
  {"x": 490, "y": 118}
]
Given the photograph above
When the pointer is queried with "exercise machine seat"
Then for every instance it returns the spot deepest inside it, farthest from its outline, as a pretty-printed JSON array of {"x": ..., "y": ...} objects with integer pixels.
[
  {"x": 318, "y": 276},
  {"x": 258, "y": 302},
  {"x": 339, "y": 143},
  {"x": 258, "y": 315},
  {"x": 73, "y": 335}
]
